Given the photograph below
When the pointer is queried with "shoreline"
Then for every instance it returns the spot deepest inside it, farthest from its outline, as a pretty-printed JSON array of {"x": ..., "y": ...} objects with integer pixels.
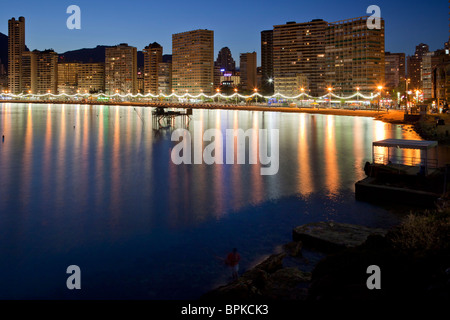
[
  {"x": 393, "y": 116},
  {"x": 348, "y": 251}
]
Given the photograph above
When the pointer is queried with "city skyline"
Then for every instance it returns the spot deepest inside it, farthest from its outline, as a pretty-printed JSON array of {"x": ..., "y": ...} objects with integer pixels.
[{"x": 241, "y": 34}]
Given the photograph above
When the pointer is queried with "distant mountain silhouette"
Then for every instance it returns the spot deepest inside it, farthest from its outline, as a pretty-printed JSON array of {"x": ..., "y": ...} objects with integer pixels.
[
  {"x": 93, "y": 55},
  {"x": 4, "y": 49},
  {"x": 86, "y": 55}
]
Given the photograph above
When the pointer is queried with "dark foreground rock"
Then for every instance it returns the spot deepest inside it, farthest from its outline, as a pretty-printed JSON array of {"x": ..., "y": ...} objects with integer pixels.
[
  {"x": 267, "y": 280},
  {"x": 332, "y": 236},
  {"x": 405, "y": 276},
  {"x": 414, "y": 260}
]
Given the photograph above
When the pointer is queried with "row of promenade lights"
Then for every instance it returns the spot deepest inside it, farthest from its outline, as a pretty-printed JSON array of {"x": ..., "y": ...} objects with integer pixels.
[{"x": 330, "y": 89}]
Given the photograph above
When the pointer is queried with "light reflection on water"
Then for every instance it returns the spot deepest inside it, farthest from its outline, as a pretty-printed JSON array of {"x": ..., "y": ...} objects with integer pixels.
[{"x": 95, "y": 186}]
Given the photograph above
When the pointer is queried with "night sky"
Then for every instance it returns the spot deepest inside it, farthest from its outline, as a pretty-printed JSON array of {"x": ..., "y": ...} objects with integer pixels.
[{"x": 236, "y": 23}]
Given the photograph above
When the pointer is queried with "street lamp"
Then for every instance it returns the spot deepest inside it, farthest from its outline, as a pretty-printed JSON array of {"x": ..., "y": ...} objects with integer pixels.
[
  {"x": 303, "y": 92},
  {"x": 329, "y": 94},
  {"x": 218, "y": 92},
  {"x": 379, "y": 100},
  {"x": 407, "y": 81},
  {"x": 236, "y": 92},
  {"x": 256, "y": 92},
  {"x": 357, "y": 94}
]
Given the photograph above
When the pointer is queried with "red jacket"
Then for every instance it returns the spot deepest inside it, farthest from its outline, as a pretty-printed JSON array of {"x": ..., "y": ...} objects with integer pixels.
[{"x": 233, "y": 259}]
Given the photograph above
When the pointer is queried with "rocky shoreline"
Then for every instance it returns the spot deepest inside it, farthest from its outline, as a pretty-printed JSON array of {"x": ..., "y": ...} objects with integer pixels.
[
  {"x": 427, "y": 127},
  {"x": 407, "y": 273},
  {"x": 271, "y": 279}
]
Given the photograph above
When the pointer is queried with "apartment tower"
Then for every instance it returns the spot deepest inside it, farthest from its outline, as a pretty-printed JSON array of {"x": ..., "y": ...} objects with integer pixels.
[
  {"x": 225, "y": 60},
  {"x": 29, "y": 72},
  {"x": 68, "y": 77},
  {"x": 415, "y": 66},
  {"x": 394, "y": 70},
  {"x": 193, "y": 62},
  {"x": 152, "y": 58},
  {"x": 354, "y": 56},
  {"x": 299, "y": 57},
  {"x": 248, "y": 71},
  {"x": 16, "y": 47},
  {"x": 46, "y": 72},
  {"x": 267, "y": 61},
  {"x": 121, "y": 69},
  {"x": 91, "y": 77}
]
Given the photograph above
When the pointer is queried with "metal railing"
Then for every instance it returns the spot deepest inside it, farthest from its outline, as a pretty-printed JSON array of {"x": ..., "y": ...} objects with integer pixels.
[{"x": 381, "y": 158}]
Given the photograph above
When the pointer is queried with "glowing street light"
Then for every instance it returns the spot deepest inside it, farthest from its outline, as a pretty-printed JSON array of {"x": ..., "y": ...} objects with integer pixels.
[
  {"x": 417, "y": 95},
  {"x": 303, "y": 92},
  {"x": 329, "y": 94},
  {"x": 218, "y": 91},
  {"x": 380, "y": 88},
  {"x": 357, "y": 94},
  {"x": 256, "y": 92},
  {"x": 236, "y": 91}
]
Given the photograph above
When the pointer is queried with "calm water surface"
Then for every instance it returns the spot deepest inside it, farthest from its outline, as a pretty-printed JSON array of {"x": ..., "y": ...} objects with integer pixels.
[{"x": 94, "y": 186}]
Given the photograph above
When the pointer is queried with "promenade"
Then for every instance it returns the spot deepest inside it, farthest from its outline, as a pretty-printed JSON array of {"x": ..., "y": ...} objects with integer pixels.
[{"x": 393, "y": 116}]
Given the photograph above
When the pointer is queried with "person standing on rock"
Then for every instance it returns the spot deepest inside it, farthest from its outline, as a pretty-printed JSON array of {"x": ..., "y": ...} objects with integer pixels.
[{"x": 232, "y": 261}]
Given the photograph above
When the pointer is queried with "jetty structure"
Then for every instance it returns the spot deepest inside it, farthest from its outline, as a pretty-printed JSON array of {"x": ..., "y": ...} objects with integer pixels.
[
  {"x": 403, "y": 172},
  {"x": 161, "y": 113}
]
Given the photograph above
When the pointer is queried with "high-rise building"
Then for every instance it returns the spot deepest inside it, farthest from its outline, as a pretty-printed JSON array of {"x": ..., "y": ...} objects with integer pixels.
[
  {"x": 395, "y": 70},
  {"x": 193, "y": 62},
  {"x": 415, "y": 66},
  {"x": 225, "y": 60},
  {"x": 29, "y": 72},
  {"x": 354, "y": 56},
  {"x": 68, "y": 77},
  {"x": 165, "y": 78},
  {"x": 16, "y": 46},
  {"x": 121, "y": 69},
  {"x": 2, "y": 68},
  {"x": 299, "y": 53},
  {"x": 152, "y": 58},
  {"x": 91, "y": 77},
  {"x": 46, "y": 71},
  {"x": 247, "y": 70},
  {"x": 430, "y": 61},
  {"x": 267, "y": 61}
]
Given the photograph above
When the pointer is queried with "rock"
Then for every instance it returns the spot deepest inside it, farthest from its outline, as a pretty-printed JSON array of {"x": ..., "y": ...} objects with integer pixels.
[
  {"x": 294, "y": 248},
  {"x": 256, "y": 277},
  {"x": 290, "y": 276},
  {"x": 284, "y": 284},
  {"x": 272, "y": 263},
  {"x": 237, "y": 290},
  {"x": 251, "y": 283},
  {"x": 331, "y": 236}
]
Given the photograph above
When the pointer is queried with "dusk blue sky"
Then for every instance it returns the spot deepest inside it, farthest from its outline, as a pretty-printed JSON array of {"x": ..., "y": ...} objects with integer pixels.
[{"x": 236, "y": 23}]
